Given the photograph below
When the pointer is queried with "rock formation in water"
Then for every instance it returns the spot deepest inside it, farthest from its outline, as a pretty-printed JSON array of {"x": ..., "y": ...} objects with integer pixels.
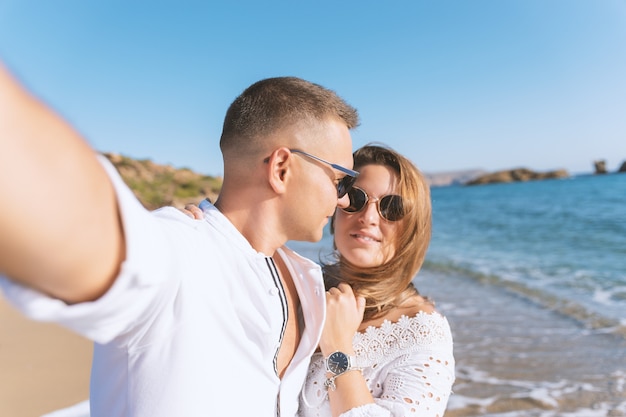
[
  {"x": 518, "y": 174},
  {"x": 599, "y": 166}
]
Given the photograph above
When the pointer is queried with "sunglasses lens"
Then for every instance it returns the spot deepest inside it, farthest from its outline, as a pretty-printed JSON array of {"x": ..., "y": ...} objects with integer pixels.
[
  {"x": 391, "y": 207},
  {"x": 345, "y": 185},
  {"x": 358, "y": 198}
]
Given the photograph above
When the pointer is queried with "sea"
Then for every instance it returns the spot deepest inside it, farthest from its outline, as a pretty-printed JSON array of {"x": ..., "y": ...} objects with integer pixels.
[{"x": 532, "y": 278}]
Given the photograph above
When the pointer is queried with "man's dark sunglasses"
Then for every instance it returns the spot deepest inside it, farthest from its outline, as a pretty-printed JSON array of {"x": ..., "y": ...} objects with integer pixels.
[
  {"x": 390, "y": 207},
  {"x": 345, "y": 184}
]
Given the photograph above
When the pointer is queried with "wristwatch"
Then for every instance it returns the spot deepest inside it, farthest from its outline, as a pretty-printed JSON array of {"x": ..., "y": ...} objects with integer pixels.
[{"x": 338, "y": 363}]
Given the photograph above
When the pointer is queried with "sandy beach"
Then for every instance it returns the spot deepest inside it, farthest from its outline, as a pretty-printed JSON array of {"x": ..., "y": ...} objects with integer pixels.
[{"x": 43, "y": 367}]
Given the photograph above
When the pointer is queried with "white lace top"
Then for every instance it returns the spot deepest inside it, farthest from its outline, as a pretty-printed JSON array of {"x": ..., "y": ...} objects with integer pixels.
[{"x": 408, "y": 366}]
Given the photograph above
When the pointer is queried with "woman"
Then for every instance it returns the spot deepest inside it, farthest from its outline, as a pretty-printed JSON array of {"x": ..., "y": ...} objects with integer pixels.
[{"x": 384, "y": 351}]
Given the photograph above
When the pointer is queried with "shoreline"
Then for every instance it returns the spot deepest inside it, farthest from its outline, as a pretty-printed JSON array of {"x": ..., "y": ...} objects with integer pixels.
[{"x": 517, "y": 358}]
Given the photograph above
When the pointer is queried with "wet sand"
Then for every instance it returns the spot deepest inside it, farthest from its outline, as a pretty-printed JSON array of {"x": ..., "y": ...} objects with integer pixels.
[
  {"x": 43, "y": 367},
  {"x": 516, "y": 358}
]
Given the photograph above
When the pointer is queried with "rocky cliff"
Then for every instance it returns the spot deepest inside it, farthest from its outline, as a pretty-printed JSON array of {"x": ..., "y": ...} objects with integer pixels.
[{"x": 162, "y": 185}]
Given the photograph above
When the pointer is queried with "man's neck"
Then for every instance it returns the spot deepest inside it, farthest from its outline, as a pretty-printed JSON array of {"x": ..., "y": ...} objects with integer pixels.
[{"x": 256, "y": 225}]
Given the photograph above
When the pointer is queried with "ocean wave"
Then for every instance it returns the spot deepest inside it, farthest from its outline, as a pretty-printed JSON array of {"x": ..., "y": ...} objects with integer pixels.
[
  {"x": 541, "y": 296},
  {"x": 501, "y": 397}
]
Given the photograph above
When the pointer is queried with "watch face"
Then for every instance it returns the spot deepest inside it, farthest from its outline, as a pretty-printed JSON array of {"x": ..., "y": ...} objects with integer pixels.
[{"x": 338, "y": 363}]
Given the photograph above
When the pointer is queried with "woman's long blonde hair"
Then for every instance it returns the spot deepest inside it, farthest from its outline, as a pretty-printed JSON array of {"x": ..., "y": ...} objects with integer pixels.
[{"x": 388, "y": 285}]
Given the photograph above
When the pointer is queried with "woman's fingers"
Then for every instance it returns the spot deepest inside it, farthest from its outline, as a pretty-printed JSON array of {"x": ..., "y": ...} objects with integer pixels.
[{"x": 193, "y": 211}]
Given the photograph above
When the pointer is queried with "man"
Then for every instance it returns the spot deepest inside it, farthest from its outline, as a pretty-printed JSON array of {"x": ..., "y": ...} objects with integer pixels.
[{"x": 188, "y": 317}]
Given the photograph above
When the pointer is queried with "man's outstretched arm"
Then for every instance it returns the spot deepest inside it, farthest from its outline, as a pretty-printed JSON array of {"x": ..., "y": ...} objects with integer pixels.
[{"x": 60, "y": 231}]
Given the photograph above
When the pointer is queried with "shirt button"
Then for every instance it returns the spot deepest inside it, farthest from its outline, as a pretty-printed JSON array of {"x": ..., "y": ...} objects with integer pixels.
[{"x": 273, "y": 291}]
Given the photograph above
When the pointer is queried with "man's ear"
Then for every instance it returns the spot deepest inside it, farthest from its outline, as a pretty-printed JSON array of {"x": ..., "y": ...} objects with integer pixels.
[{"x": 279, "y": 169}]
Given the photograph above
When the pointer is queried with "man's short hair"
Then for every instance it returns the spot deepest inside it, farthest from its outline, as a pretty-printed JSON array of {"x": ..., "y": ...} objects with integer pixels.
[{"x": 274, "y": 103}]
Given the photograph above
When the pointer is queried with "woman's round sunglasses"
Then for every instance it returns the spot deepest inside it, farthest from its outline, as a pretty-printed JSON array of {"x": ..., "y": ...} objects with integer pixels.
[{"x": 389, "y": 207}]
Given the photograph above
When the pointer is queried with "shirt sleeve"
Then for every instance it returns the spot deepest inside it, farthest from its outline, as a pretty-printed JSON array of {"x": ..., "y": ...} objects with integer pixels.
[
  {"x": 417, "y": 384},
  {"x": 135, "y": 290}
]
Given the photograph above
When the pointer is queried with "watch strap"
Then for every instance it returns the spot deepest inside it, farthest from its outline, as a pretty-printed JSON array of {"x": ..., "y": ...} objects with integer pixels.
[{"x": 329, "y": 384}]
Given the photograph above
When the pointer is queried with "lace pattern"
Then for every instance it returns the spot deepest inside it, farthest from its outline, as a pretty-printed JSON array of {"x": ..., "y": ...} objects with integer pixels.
[
  {"x": 408, "y": 366},
  {"x": 406, "y": 335}
]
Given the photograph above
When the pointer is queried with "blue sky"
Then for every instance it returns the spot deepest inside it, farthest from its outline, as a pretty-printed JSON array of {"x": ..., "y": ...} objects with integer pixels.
[{"x": 491, "y": 84}]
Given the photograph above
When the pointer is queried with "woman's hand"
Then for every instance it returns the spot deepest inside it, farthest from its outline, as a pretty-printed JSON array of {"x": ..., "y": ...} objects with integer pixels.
[
  {"x": 344, "y": 314},
  {"x": 193, "y": 211}
]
